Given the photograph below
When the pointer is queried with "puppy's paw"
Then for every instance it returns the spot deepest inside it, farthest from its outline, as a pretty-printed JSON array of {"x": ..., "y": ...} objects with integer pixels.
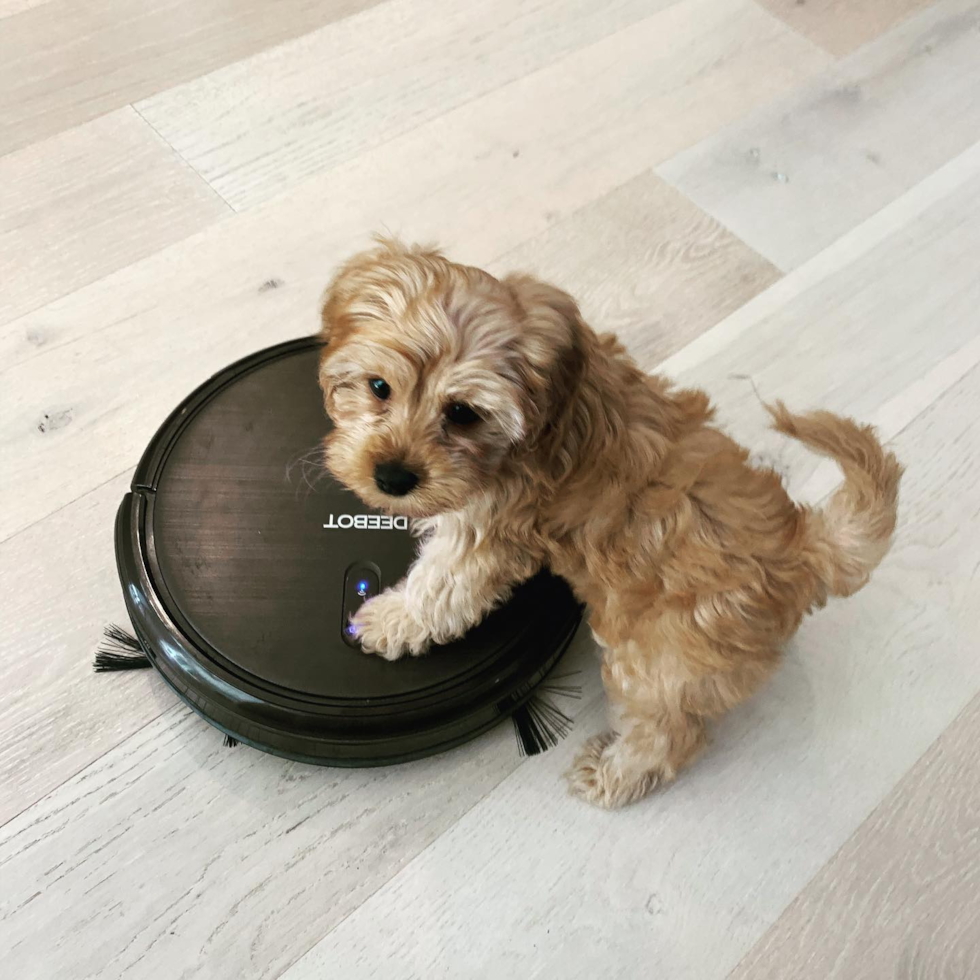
[
  {"x": 598, "y": 775},
  {"x": 583, "y": 777},
  {"x": 386, "y": 626}
]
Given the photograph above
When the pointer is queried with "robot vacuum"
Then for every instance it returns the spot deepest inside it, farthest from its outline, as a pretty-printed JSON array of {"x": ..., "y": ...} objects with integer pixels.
[{"x": 241, "y": 561}]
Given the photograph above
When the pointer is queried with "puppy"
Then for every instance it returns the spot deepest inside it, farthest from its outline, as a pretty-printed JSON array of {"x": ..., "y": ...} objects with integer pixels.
[{"x": 515, "y": 436}]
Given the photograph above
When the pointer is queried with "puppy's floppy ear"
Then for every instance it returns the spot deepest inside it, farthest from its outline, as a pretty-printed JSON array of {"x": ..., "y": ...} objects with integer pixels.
[
  {"x": 375, "y": 281},
  {"x": 333, "y": 325},
  {"x": 337, "y": 297},
  {"x": 551, "y": 345}
]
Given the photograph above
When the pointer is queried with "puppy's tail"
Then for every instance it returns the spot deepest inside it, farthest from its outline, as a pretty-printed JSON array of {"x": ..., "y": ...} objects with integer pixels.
[{"x": 848, "y": 538}]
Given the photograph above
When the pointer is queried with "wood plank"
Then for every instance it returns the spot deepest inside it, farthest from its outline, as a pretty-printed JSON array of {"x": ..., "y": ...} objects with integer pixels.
[
  {"x": 174, "y": 856},
  {"x": 841, "y": 26},
  {"x": 260, "y": 126},
  {"x": 858, "y": 340},
  {"x": 909, "y": 879},
  {"x": 683, "y": 884},
  {"x": 8, "y": 7},
  {"x": 80, "y": 205},
  {"x": 161, "y": 326},
  {"x": 57, "y": 715},
  {"x": 795, "y": 175},
  {"x": 646, "y": 263},
  {"x": 63, "y": 63}
]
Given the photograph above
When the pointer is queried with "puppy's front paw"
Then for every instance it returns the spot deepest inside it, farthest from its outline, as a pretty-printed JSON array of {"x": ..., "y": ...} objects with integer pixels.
[{"x": 386, "y": 626}]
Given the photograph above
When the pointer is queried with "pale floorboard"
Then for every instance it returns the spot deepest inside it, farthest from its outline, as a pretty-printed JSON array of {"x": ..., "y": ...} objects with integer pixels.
[
  {"x": 8, "y": 7},
  {"x": 791, "y": 178},
  {"x": 840, "y": 26},
  {"x": 258, "y": 127},
  {"x": 861, "y": 337},
  {"x": 82, "y": 204},
  {"x": 643, "y": 262},
  {"x": 682, "y": 885},
  {"x": 173, "y": 856},
  {"x": 56, "y": 714},
  {"x": 910, "y": 877},
  {"x": 63, "y": 63},
  {"x": 135, "y": 329}
]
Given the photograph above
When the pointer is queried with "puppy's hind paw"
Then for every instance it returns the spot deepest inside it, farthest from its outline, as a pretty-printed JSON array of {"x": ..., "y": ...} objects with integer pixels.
[
  {"x": 598, "y": 777},
  {"x": 582, "y": 777}
]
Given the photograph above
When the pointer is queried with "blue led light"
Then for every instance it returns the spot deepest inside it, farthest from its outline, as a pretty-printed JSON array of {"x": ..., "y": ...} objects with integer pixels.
[
  {"x": 362, "y": 587},
  {"x": 351, "y": 630}
]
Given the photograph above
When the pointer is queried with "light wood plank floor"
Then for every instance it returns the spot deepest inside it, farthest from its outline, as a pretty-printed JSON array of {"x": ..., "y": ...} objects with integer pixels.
[{"x": 775, "y": 192}]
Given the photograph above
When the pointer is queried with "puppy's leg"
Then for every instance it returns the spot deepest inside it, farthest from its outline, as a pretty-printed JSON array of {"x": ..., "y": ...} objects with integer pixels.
[
  {"x": 650, "y": 742},
  {"x": 660, "y": 706},
  {"x": 449, "y": 589}
]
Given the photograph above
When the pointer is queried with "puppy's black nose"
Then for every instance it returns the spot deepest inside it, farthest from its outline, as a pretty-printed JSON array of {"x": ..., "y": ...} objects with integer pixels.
[{"x": 395, "y": 479}]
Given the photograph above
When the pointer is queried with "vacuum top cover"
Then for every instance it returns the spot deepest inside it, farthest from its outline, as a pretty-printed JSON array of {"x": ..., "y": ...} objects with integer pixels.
[{"x": 241, "y": 561}]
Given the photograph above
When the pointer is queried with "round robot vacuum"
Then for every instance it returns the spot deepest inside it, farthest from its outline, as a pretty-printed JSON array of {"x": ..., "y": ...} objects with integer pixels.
[{"x": 241, "y": 561}]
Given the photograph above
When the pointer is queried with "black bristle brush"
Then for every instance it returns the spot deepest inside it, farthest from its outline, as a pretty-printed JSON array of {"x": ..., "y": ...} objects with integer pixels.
[
  {"x": 539, "y": 723},
  {"x": 120, "y": 651}
]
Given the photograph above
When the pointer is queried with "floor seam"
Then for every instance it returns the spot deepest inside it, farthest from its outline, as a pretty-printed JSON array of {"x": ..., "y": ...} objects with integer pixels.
[{"x": 180, "y": 156}]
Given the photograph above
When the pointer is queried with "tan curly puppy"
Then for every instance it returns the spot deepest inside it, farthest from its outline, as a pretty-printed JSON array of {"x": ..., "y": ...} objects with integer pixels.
[{"x": 516, "y": 436}]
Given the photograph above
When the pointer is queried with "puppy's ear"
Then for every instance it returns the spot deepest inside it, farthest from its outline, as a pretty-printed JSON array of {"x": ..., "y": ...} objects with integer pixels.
[
  {"x": 375, "y": 281},
  {"x": 344, "y": 287},
  {"x": 552, "y": 349},
  {"x": 331, "y": 316},
  {"x": 335, "y": 325}
]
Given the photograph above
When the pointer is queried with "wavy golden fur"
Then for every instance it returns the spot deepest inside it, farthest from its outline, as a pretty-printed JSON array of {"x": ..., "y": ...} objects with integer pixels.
[{"x": 516, "y": 436}]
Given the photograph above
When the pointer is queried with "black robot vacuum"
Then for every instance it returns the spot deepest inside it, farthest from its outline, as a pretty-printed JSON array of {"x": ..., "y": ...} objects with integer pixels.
[{"x": 241, "y": 561}]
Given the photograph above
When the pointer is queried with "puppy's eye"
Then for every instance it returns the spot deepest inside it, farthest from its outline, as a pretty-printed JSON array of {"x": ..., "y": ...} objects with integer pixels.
[
  {"x": 460, "y": 414},
  {"x": 379, "y": 388}
]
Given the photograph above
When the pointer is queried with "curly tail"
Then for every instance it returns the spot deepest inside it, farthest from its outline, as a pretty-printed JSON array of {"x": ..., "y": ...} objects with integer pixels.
[{"x": 848, "y": 538}]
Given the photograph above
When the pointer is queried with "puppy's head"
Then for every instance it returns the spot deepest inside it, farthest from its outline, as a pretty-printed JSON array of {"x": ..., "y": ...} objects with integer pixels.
[{"x": 437, "y": 376}]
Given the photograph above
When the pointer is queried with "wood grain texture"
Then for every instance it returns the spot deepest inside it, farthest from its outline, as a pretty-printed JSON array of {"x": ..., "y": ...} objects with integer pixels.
[
  {"x": 794, "y": 176},
  {"x": 57, "y": 715},
  {"x": 646, "y": 263},
  {"x": 258, "y": 126},
  {"x": 902, "y": 897},
  {"x": 63, "y": 63},
  {"x": 841, "y": 26},
  {"x": 173, "y": 856},
  {"x": 80, "y": 205},
  {"x": 8, "y": 7},
  {"x": 136, "y": 330},
  {"x": 857, "y": 340},
  {"x": 682, "y": 885}
]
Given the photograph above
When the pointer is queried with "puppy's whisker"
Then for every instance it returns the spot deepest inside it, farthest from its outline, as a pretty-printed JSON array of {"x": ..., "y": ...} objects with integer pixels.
[{"x": 309, "y": 462}]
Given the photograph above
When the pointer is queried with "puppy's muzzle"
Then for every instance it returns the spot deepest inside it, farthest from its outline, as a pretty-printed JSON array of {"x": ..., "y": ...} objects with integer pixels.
[{"x": 395, "y": 479}]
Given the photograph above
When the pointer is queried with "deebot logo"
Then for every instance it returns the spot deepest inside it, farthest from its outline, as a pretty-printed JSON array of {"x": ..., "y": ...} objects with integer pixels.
[{"x": 366, "y": 522}]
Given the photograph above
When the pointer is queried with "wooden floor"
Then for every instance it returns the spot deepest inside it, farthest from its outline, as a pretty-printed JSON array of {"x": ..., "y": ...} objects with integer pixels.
[{"x": 786, "y": 191}]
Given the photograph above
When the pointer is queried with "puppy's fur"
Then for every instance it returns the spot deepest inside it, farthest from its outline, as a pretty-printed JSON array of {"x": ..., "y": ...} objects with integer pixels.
[{"x": 696, "y": 566}]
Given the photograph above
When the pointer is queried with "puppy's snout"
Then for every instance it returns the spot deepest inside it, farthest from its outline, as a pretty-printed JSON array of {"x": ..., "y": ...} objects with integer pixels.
[{"x": 395, "y": 479}]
